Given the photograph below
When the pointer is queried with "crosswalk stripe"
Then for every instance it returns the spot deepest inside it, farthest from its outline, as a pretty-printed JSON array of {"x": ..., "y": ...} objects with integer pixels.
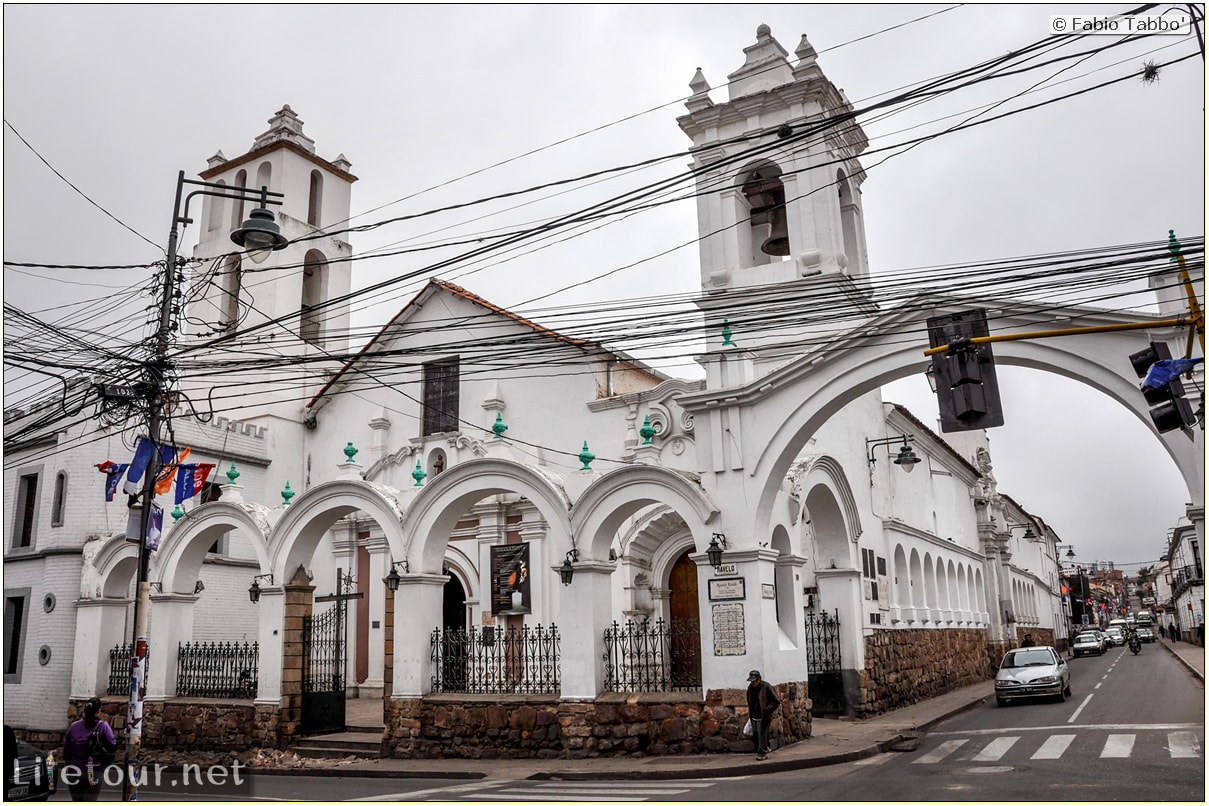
[
  {"x": 1183, "y": 744},
  {"x": 1054, "y": 746},
  {"x": 940, "y": 752},
  {"x": 1118, "y": 745},
  {"x": 995, "y": 750}
]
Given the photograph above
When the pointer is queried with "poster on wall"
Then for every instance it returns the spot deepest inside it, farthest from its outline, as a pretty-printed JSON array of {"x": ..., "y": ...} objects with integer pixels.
[
  {"x": 510, "y": 579},
  {"x": 730, "y": 636}
]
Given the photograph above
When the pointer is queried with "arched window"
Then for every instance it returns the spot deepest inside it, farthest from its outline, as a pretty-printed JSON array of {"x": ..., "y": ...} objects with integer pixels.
[
  {"x": 60, "y": 500},
  {"x": 316, "y": 199},
  {"x": 264, "y": 176},
  {"x": 314, "y": 283},
  {"x": 230, "y": 285},
  {"x": 214, "y": 220},
  {"x": 237, "y": 206}
]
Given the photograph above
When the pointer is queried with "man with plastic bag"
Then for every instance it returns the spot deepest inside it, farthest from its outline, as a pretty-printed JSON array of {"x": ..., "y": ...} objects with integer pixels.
[{"x": 762, "y": 702}]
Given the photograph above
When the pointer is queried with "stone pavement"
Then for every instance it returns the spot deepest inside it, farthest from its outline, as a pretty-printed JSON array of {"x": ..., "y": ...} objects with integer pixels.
[{"x": 835, "y": 741}]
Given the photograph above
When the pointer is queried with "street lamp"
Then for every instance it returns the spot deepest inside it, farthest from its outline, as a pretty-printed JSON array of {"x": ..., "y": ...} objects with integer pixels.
[
  {"x": 567, "y": 572},
  {"x": 1029, "y": 534},
  {"x": 714, "y": 552},
  {"x": 258, "y": 233},
  {"x": 393, "y": 579},
  {"x": 906, "y": 458},
  {"x": 254, "y": 591}
]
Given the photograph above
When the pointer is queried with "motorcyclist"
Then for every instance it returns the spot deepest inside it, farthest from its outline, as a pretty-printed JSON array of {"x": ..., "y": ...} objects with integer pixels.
[{"x": 1135, "y": 643}]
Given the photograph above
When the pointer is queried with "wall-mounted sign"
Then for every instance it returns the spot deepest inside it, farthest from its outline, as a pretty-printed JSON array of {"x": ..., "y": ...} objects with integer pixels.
[
  {"x": 768, "y": 590},
  {"x": 727, "y": 570},
  {"x": 730, "y": 636},
  {"x": 730, "y": 588},
  {"x": 510, "y": 579}
]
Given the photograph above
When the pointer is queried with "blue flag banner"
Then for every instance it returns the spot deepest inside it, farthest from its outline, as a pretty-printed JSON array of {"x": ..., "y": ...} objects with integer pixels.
[
  {"x": 142, "y": 458},
  {"x": 1164, "y": 372},
  {"x": 113, "y": 473}
]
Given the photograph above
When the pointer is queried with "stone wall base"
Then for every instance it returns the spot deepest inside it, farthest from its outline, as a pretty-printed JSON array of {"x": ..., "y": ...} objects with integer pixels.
[
  {"x": 903, "y": 667},
  {"x": 483, "y": 726}
]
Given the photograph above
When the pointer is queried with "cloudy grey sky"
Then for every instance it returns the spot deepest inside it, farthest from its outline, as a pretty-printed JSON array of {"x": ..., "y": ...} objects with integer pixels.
[{"x": 119, "y": 98}]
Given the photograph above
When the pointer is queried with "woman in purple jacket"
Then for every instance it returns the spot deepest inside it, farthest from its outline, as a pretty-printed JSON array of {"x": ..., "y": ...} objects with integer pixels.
[{"x": 83, "y": 774}]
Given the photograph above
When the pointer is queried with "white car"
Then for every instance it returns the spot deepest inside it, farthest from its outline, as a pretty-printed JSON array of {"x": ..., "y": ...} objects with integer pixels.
[
  {"x": 1087, "y": 643},
  {"x": 1035, "y": 671}
]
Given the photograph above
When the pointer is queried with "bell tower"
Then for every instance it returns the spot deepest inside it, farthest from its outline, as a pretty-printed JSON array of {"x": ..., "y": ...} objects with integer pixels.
[
  {"x": 779, "y": 200},
  {"x": 291, "y": 302}
]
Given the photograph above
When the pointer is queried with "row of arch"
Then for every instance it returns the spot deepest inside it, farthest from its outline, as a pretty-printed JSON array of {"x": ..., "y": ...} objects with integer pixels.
[
  {"x": 930, "y": 583},
  {"x": 264, "y": 175},
  {"x": 1024, "y": 600}
]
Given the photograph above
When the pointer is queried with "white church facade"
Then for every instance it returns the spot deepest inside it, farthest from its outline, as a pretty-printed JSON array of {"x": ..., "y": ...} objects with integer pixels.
[{"x": 584, "y": 560}]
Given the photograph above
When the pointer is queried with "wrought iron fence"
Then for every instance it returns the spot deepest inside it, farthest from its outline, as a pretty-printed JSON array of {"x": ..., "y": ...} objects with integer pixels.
[
  {"x": 119, "y": 671},
  {"x": 494, "y": 661},
  {"x": 223, "y": 670},
  {"x": 653, "y": 656}
]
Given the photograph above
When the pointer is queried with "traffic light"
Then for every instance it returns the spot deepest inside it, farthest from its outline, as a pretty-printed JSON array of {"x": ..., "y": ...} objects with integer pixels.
[
  {"x": 1163, "y": 391},
  {"x": 966, "y": 387}
]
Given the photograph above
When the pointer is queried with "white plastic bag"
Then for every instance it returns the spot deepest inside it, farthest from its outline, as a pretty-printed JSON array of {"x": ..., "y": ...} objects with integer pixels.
[{"x": 747, "y": 728}]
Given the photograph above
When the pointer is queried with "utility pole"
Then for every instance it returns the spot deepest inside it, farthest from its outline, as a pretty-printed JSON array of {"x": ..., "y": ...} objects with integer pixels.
[{"x": 258, "y": 233}]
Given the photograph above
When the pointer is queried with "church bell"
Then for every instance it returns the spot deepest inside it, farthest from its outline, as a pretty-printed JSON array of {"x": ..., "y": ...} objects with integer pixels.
[{"x": 777, "y": 243}]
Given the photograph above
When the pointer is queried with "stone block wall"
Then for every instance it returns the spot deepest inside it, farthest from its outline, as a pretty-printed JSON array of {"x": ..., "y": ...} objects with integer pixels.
[
  {"x": 903, "y": 667},
  {"x": 1041, "y": 637},
  {"x": 225, "y": 726},
  {"x": 485, "y": 726}
]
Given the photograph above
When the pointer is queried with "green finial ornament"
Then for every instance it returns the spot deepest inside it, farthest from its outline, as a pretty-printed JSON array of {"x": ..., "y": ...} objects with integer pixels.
[
  {"x": 232, "y": 474},
  {"x": 586, "y": 456},
  {"x": 499, "y": 427},
  {"x": 726, "y": 334},
  {"x": 647, "y": 431},
  {"x": 350, "y": 451},
  {"x": 177, "y": 513},
  {"x": 418, "y": 474},
  {"x": 1173, "y": 246},
  {"x": 287, "y": 494}
]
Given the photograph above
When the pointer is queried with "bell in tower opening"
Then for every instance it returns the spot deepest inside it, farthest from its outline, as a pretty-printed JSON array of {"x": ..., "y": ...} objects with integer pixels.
[{"x": 766, "y": 196}]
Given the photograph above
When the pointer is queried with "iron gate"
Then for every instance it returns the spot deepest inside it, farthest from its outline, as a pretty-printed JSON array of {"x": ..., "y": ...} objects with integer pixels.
[
  {"x": 323, "y": 680},
  {"x": 823, "y": 656}
]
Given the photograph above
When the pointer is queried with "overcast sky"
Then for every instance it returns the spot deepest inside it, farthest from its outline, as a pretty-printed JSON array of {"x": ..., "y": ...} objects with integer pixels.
[{"x": 119, "y": 98}]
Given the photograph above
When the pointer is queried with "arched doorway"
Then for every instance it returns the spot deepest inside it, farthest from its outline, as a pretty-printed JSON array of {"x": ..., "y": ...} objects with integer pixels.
[
  {"x": 684, "y": 615},
  {"x": 453, "y": 623}
]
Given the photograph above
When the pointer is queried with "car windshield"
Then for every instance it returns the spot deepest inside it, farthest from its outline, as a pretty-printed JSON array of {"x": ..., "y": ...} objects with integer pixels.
[
  {"x": 1029, "y": 657},
  {"x": 1086, "y": 638}
]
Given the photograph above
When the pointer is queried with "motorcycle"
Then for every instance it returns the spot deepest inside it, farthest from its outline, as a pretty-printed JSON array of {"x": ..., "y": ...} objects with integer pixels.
[{"x": 1135, "y": 645}]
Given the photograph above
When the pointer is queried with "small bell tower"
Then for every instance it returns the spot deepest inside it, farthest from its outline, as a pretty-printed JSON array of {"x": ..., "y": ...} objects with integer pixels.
[
  {"x": 275, "y": 302},
  {"x": 778, "y": 181}
]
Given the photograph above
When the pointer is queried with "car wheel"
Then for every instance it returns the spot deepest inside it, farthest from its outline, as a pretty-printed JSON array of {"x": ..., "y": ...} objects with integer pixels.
[
  {"x": 1061, "y": 695},
  {"x": 1067, "y": 691}
]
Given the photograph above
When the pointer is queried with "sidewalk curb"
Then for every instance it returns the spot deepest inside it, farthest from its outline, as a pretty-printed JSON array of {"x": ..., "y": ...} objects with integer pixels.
[{"x": 1197, "y": 673}]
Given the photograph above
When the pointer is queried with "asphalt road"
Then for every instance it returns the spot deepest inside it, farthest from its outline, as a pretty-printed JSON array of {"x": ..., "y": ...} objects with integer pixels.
[{"x": 1133, "y": 730}]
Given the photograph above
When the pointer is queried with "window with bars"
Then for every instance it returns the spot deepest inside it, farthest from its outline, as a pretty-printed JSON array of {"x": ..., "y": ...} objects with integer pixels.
[{"x": 441, "y": 380}]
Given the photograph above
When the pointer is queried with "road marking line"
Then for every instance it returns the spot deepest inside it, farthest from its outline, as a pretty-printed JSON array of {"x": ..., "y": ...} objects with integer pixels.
[
  {"x": 995, "y": 750},
  {"x": 1168, "y": 726},
  {"x": 1079, "y": 710},
  {"x": 1183, "y": 745},
  {"x": 590, "y": 798},
  {"x": 940, "y": 752},
  {"x": 878, "y": 759},
  {"x": 1098, "y": 685},
  {"x": 1118, "y": 745},
  {"x": 1054, "y": 746}
]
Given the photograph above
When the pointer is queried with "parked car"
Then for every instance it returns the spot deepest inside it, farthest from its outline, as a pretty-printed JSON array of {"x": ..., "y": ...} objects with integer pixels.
[
  {"x": 1146, "y": 635},
  {"x": 29, "y": 773},
  {"x": 1116, "y": 635},
  {"x": 1035, "y": 671},
  {"x": 1087, "y": 643},
  {"x": 1099, "y": 636}
]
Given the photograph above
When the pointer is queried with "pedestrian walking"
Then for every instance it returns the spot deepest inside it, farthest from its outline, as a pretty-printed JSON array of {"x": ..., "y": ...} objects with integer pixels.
[
  {"x": 88, "y": 748},
  {"x": 1028, "y": 640},
  {"x": 762, "y": 703},
  {"x": 1162, "y": 631}
]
